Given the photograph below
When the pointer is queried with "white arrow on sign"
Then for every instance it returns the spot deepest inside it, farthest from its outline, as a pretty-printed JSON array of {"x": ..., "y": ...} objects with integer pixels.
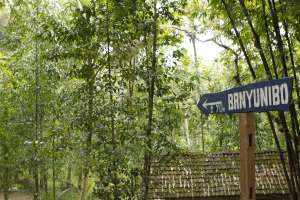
[{"x": 205, "y": 104}]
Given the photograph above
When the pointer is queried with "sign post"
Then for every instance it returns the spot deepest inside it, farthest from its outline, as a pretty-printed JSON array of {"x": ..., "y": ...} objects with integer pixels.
[
  {"x": 247, "y": 156},
  {"x": 274, "y": 95}
]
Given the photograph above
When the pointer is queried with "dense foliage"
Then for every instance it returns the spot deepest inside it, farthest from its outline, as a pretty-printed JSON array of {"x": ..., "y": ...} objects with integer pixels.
[{"x": 93, "y": 90}]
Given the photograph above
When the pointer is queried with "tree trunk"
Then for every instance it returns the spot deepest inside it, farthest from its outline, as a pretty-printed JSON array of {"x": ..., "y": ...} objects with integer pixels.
[
  {"x": 86, "y": 167},
  {"x": 202, "y": 133},
  {"x": 269, "y": 39},
  {"x": 37, "y": 117},
  {"x": 69, "y": 169},
  {"x": 193, "y": 39},
  {"x": 186, "y": 131},
  {"x": 290, "y": 48},
  {"x": 79, "y": 178},
  {"x": 151, "y": 94},
  {"x": 53, "y": 170},
  {"x": 257, "y": 42},
  {"x": 280, "y": 152},
  {"x": 290, "y": 150},
  {"x": 227, "y": 9},
  {"x": 278, "y": 37},
  {"x": 113, "y": 169},
  {"x": 44, "y": 182},
  {"x": 84, "y": 183},
  {"x": 6, "y": 173},
  {"x": 69, "y": 176},
  {"x": 6, "y": 195}
]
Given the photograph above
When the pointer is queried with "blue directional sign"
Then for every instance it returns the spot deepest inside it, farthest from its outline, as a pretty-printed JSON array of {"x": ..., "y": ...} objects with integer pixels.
[{"x": 274, "y": 95}]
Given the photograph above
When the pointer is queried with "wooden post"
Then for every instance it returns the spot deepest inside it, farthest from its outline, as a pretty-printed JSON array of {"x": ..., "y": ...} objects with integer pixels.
[{"x": 247, "y": 156}]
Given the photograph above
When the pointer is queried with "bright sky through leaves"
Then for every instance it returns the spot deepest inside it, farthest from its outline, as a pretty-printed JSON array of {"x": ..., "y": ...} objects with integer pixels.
[{"x": 207, "y": 51}]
